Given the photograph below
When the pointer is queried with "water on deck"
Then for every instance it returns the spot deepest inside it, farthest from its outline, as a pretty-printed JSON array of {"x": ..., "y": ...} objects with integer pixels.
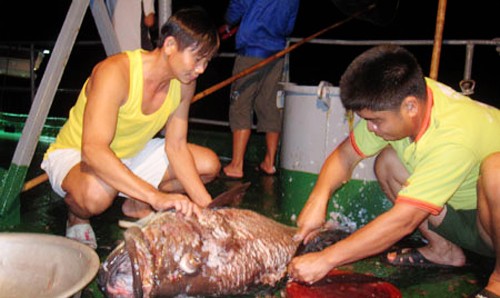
[{"x": 42, "y": 211}]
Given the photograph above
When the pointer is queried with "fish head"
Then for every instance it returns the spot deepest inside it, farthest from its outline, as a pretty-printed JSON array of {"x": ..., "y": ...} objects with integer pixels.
[{"x": 168, "y": 250}]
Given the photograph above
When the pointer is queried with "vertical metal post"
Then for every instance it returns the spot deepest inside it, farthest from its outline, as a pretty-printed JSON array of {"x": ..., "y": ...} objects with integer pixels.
[
  {"x": 164, "y": 12},
  {"x": 467, "y": 85},
  {"x": 105, "y": 27},
  {"x": 32, "y": 72},
  {"x": 468, "y": 60},
  {"x": 12, "y": 183}
]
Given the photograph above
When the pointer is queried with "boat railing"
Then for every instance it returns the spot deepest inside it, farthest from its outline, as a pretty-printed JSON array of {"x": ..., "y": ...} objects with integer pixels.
[
  {"x": 34, "y": 52},
  {"x": 469, "y": 45}
]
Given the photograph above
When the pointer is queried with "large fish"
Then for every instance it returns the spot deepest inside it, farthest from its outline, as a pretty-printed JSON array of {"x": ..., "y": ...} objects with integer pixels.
[{"x": 223, "y": 251}]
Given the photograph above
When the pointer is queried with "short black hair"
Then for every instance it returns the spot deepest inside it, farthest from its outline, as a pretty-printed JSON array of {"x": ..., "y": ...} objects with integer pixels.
[
  {"x": 191, "y": 27},
  {"x": 381, "y": 78}
]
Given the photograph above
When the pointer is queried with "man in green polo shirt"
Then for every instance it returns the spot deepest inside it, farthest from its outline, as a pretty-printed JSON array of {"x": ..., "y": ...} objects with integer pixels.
[{"x": 438, "y": 161}]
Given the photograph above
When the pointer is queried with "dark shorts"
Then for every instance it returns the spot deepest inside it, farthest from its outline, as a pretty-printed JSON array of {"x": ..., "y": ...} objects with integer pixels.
[
  {"x": 257, "y": 92},
  {"x": 460, "y": 227}
]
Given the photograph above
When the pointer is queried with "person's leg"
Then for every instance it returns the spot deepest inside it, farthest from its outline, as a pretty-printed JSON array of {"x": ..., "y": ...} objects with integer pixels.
[
  {"x": 243, "y": 93},
  {"x": 207, "y": 165},
  {"x": 136, "y": 209},
  {"x": 152, "y": 166},
  {"x": 146, "y": 40},
  {"x": 240, "y": 140},
  {"x": 269, "y": 116},
  {"x": 86, "y": 195},
  {"x": 392, "y": 175},
  {"x": 272, "y": 140},
  {"x": 489, "y": 213}
]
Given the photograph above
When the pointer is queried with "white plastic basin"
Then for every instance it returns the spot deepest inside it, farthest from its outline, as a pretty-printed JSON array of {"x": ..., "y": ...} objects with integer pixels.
[{"x": 42, "y": 265}]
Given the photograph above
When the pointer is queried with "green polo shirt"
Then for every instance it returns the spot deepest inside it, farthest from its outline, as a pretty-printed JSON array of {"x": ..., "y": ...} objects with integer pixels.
[{"x": 444, "y": 160}]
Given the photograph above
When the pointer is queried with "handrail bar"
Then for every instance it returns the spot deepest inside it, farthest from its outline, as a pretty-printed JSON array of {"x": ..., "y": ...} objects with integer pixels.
[
  {"x": 468, "y": 43},
  {"x": 493, "y": 42}
]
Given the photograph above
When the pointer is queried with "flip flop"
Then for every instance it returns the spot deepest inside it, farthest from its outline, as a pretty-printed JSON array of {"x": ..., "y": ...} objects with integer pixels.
[
  {"x": 411, "y": 257},
  {"x": 484, "y": 294},
  {"x": 82, "y": 233}
]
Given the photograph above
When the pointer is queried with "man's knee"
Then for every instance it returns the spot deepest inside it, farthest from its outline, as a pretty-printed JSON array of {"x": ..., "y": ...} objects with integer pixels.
[
  {"x": 380, "y": 166},
  {"x": 387, "y": 165},
  {"x": 390, "y": 172},
  {"x": 490, "y": 174},
  {"x": 206, "y": 160},
  {"x": 91, "y": 197},
  {"x": 212, "y": 165},
  {"x": 491, "y": 164}
]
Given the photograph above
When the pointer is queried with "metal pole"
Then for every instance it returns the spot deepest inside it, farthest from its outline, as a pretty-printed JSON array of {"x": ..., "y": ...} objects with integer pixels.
[
  {"x": 105, "y": 27},
  {"x": 469, "y": 54},
  {"x": 438, "y": 39},
  {"x": 164, "y": 12},
  {"x": 9, "y": 204},
  {"x": 32, "y": 71}
]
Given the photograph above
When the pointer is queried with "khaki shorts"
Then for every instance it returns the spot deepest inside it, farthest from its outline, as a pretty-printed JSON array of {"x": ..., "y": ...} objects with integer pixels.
[
  {"x": 150, "y": 164},
  {"x": 460, "y": 227},
  {"x": 256, "y": 91}
]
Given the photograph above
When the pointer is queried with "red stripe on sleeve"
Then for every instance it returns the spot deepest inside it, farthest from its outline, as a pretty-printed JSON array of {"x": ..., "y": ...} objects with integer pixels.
[
  {"x": 355, "y": 146},
  {"x": 431, "y": 208}
]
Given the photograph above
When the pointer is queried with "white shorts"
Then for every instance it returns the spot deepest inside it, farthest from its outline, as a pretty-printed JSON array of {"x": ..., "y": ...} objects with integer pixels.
[{"x": 150, "y": 164}]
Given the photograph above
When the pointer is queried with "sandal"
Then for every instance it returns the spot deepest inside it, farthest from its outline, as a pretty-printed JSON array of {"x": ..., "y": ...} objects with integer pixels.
[
  {"x": 82, "y": 233},
  {"x": 485, "y": 294},
  {"x": 411, "y": 257}
]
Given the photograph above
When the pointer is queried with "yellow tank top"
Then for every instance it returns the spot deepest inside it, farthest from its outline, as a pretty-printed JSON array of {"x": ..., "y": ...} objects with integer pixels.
[{"x": 134, "y": 129}]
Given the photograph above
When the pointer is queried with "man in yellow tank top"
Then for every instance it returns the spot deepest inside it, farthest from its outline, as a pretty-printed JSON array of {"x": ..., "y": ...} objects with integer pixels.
[
  {"x": 438, "y": 161},
  {"x": 108, "y": 146}
]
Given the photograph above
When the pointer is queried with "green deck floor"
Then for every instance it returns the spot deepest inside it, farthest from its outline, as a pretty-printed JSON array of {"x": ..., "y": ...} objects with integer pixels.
[{"x": 44, "y": 212}]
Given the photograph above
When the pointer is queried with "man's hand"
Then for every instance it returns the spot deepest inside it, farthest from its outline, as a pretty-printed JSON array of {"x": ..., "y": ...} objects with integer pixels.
[
  {"x": 225, "y": 31},
  {"x": 179, "y": 202},
  {"x": 309, "y": 268},
  {"x": 311, "y": 220}
]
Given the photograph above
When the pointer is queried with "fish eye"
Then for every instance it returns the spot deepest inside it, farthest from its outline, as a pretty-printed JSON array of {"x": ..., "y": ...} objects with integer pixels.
[{"x": 189, "y": 263}]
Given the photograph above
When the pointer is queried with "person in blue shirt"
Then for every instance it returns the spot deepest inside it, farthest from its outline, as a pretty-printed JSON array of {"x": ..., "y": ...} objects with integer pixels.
[{"x": 264, "y": 26}]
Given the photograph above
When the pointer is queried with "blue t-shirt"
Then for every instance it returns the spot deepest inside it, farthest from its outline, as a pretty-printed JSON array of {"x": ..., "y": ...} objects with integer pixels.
[{"x": 264, "y": 25}]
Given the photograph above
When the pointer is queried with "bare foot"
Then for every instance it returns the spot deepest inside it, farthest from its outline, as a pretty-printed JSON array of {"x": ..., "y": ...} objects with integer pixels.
[
  {"x": 269, "y": 169},
  {"x": 136, "y": 209},
  {"x": 453, "y": 256},
  {"x": 233, "y": 171}
]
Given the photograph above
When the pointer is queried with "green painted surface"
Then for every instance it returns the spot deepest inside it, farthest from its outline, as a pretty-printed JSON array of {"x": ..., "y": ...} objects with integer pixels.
[
  {"x": 11, "y": 126},
  {"x": 425, "y": 282},
  {"x": 359, "y": 201},
  {"x": 9, "y": 194}
]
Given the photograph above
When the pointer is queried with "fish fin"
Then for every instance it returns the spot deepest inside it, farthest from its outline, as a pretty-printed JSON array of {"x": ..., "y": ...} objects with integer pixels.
[
  {"x": 138, "y": 223},
  {"x": 230, "y": 198},
  {"x": 322, "y": 240}
]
